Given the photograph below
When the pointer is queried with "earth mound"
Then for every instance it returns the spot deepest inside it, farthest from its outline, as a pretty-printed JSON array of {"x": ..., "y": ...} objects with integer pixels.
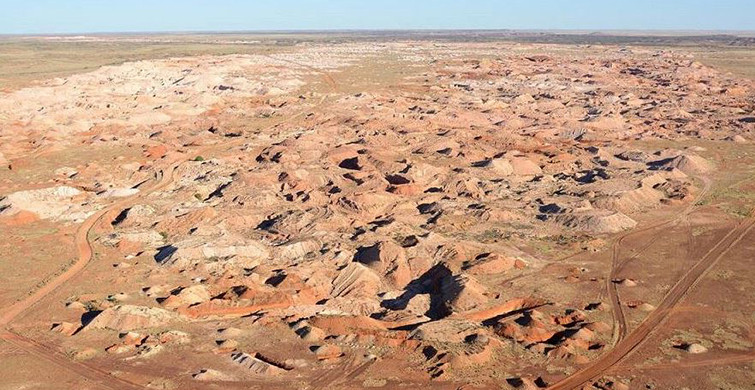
[{"x": 129, "y": 317}]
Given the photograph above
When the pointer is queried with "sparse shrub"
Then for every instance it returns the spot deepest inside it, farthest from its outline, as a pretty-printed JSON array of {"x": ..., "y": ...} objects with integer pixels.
[{"x": 90, "y": 306}]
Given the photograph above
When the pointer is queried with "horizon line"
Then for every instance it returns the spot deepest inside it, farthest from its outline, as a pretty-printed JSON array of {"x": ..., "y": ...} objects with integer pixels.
[{"x": 379, "y": 30}]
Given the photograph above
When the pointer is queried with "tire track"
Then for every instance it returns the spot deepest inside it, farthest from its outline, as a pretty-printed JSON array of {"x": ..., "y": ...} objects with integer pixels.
[
  {"x": 91, "y": 374},
  {"x": 678, "y": 292},
  {"x": 85, "y": 252},
  {"x": 84, "y": 249},
  {"x": 617, "y": 312}
]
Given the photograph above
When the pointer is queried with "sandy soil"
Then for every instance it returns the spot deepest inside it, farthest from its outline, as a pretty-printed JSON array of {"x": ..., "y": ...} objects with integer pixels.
[{"x": 392, "y": 213}]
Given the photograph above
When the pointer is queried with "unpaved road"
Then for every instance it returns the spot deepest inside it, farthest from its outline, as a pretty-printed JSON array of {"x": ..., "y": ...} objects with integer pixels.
[
  {"x": 619, "y": 319},
  {"x": 84, "y": 249},
  {"x": 81, "y": 239},
  {"x": 85, "y": 255},
  {"x": 657, "y": 317},
  {"x": 102, "y": 379}
]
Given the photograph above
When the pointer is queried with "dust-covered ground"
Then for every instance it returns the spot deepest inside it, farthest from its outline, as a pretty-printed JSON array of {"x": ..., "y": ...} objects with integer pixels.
[{"x": 376, "y": 211}]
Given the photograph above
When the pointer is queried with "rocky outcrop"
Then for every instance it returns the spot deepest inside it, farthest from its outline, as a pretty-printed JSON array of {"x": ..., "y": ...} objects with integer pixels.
[{"x": 128, "y": 317}]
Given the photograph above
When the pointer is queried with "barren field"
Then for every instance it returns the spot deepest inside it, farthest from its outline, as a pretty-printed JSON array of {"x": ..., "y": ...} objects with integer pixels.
[{"x": 376, "y": 211}]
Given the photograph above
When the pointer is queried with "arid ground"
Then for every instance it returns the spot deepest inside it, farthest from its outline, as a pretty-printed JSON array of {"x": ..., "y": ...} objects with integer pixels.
[{"x": 324, "y": 211}]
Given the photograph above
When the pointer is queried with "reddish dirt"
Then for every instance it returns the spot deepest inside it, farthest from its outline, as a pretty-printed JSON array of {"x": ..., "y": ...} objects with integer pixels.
[
  {"x": 657, "y": 317},
  {"x": 454, "y": 214}
]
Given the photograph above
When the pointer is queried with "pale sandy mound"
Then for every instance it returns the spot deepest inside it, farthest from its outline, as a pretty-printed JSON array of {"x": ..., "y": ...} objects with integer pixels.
[
  {"x": 65, "y": 328},
  {"x": 149, "y": 237},
  {"x": 489, "y": 263},
  {"x": 501, "y": 166},
  {"x": 47, "y": 203},
  {"x": 584, "y": 334},
  {"x": 230, "y": 332},
  {"x": 248, "y": 250},
  {"x": 446, "y": 330},
  {"x": 212, "y": 376},
  {"x": 695, "y": 348},
  {"x": 134, "y": 216},
  {"x": 308, "y": 332},
  {"x": 362, "y": 306},
  {"x": 632, "y": 200},
  {"x": 255, "y": 365},
  {"x": 626, "y": 282},
  {"x": 298, "y": 248},
  {"x": 662, "y": 177},
  {"x": 690, "y": 164},
  {"x": 186, "y": 220},
  {"x": 596, "y": 221},
  {"x": 646, "y": 307},
  {"x": 187, "y": 296},
  {"x": 119, "y": 192},
  {"x": 387, "y": 259},
  {"x": 651, "y": 192},
  {"x": 511, "y": 165},
  {"x": 128, "y": 317},
  {"x": 462, "y": 293},
  {"x": 193, "y": 249},
  {"x": 600, "y": 327},
  {"x": 523, "y": 166},
  {"x": 356, "y": 280},
  {"x": 738, "y": 139}
]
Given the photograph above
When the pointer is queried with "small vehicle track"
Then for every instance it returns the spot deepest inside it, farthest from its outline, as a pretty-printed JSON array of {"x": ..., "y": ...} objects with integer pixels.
[
  {"x": 619, "y": 319},
  {"x": 85, "y": 256},
  {"x": 635, "y": 338}
]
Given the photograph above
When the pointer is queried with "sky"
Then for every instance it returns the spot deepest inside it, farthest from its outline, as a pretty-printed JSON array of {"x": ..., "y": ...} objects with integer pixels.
[{"x": 88, "y": 16}]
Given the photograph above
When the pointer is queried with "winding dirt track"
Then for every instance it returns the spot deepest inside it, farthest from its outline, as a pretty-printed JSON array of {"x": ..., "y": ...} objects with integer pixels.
[
  {"x": 85, "y": 255},
  {"x": 84, "y": 249},
  {"x": 634, "y": 339},
  {"x": 619, "y": 320}
]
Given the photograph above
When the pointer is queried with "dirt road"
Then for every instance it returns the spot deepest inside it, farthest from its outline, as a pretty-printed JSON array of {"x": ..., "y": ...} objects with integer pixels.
[
  {"x": 657, "y": 317},
  {"x": 83, "y": 248},
  {"x": 102, "y": 379},
  {"x": 81, "y": 240},
  {"x": 619, "y": 319},
  {"x": 85, "y": 256}
]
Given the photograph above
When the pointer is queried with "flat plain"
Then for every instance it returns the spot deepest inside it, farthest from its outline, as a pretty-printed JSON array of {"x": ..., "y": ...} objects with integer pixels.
[{"x": 377, "y": 210}]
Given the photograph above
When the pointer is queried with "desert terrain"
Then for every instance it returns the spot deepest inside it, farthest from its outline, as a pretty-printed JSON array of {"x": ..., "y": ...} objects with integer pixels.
[{"x": 334, "y": 211}]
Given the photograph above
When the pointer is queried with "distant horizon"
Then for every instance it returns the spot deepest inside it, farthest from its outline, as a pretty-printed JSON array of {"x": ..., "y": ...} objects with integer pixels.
[
  {"x": 72, "y": 17},
  {"x": 651, "y": 32}
]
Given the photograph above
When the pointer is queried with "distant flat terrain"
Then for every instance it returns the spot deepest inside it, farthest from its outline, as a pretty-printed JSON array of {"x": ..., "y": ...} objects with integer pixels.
[{"x": 24, "y": 60}]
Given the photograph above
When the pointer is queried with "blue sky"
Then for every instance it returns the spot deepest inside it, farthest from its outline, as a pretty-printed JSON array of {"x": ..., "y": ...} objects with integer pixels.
[{"x": 80, "y": 16}]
